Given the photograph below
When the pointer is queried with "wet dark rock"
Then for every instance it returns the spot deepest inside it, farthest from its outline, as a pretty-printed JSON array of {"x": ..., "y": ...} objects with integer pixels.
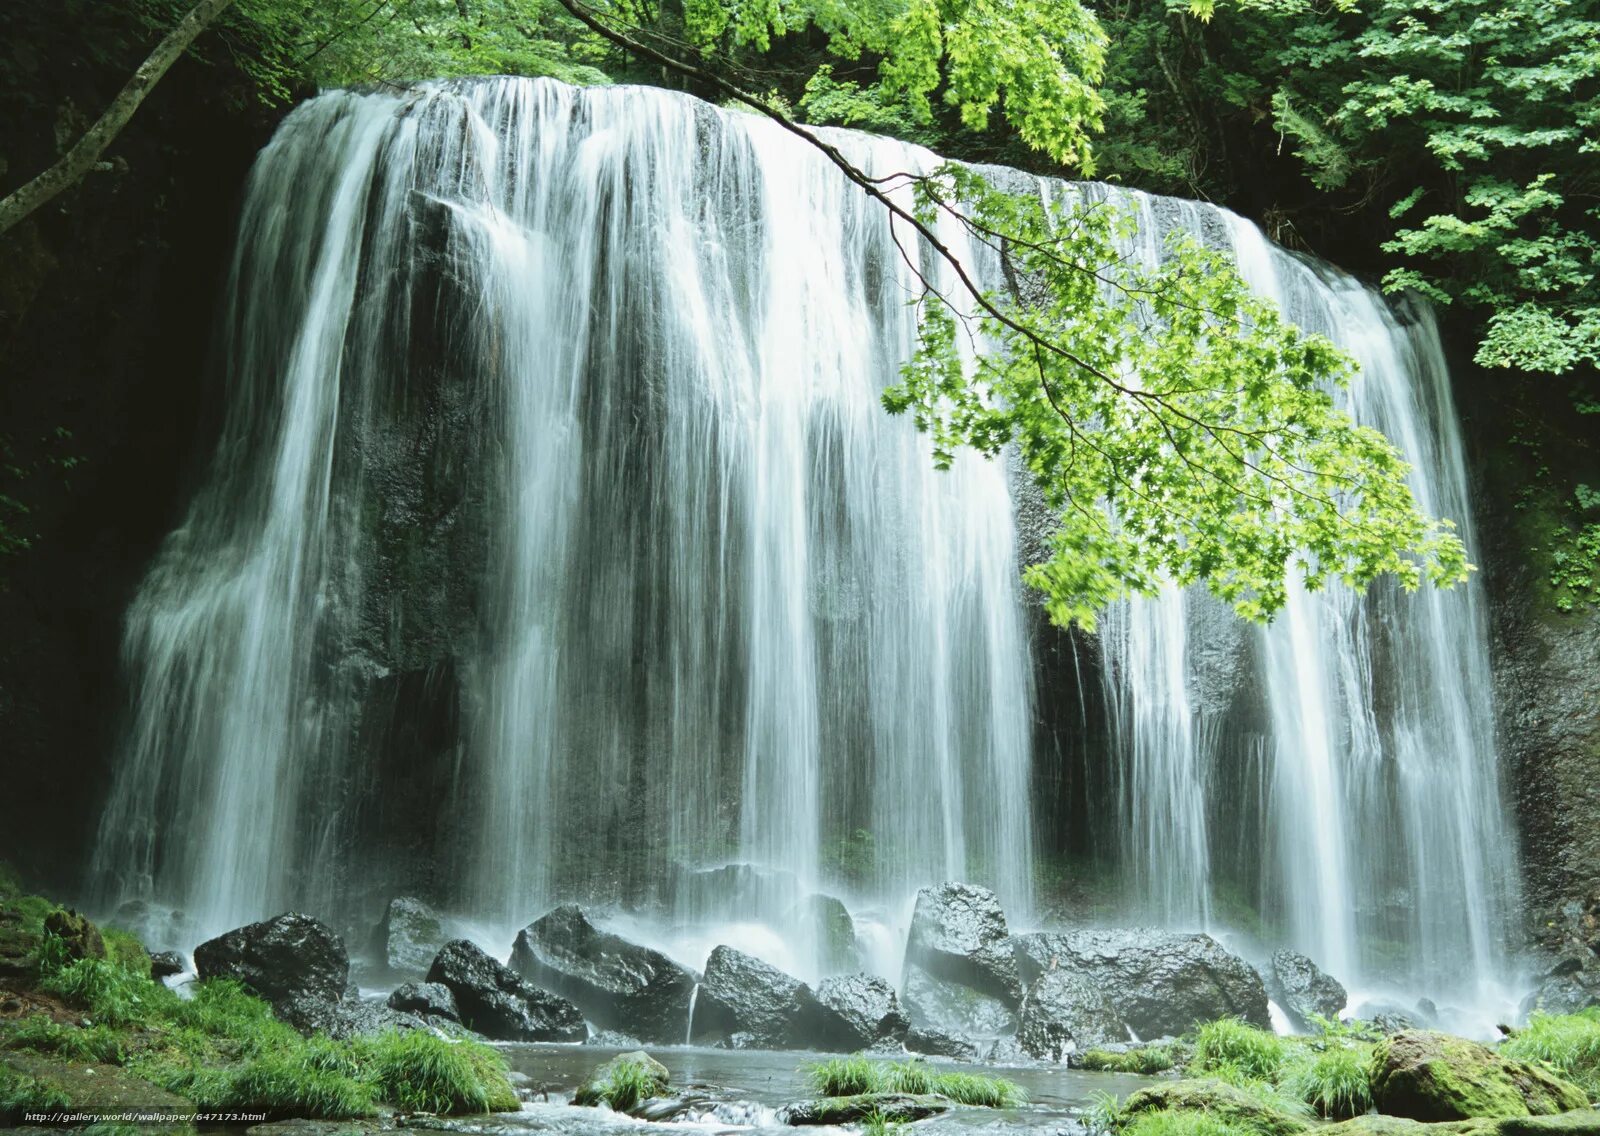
[
  {"x": 293, "y": 961},
  {"x": 167, "y": 964},
  {"x": 612, "y": 1039},
  {"x": 857, "y": 1011},
  {"x": 895, "y": 1108},
  {"x": 1303, "y": 990},
  {"x": 409, "y": 936},
  {"x": 1569, "y": 983},
  {"x": 958, "y": 935},
  {"x": 427, "y": 999},
  {"x": 1063, "y": 1012},
  {"x": 652, "y": 1080},
  {"x": 495, "y": 1002},
  {"x": 955, "y": 1008},
  {"x": 618, "y": 984},
  {"x": 80, "y": 938},
  {"x": 741, "y": 995},
  {"x": 347, "y": 1018},
  {"x": 1436, "y": 1077},
  {"x": 938, "y": 1043},
  {"x": 1157, "y": 982}
]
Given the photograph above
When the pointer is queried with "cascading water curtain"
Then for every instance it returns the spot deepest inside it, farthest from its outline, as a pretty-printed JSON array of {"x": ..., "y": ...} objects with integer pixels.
[
  {"x": 1383, "y": 846},
  {"x": 567, "y": 402}
]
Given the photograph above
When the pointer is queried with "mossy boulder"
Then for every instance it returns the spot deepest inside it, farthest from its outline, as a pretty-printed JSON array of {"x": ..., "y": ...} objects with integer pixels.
[
  {"x": 80, "y": 938},
  {"x": 894, "y": 1108},
  {"x": 1432, "y": 1076},
  {"x": 624, "y": 1081},
  {"x": 83, "y": 1087},
  {"x": 1579, "y": 1122},
  {"x": 1376, "y": 1124},
  {"x": 1223, "y": 1101}
]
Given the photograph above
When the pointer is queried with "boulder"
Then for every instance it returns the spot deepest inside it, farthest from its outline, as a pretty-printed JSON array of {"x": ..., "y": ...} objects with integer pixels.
[
  {"x": 753, "y": 1004},
  {"x": 958, "y": 935},
  {"x": 1431, "y": 1076},
  {"x": 1304, "y": 991},
  {"x": 1064, "y": 1012},
  {"x": 955, "y": 1008},
  {"x": 937, "y": 1043},
  {"x": 1157, "y": 982},
  {"x": 349, "y": 1017},
  {"x": 495, "y": 1002},
  {"x": 426, "y": 999},
  {"x": 292, "y": 961},
  {"x": 167, "y": 964},
  {"x": 409, "y": 936},
  {"x": 890, "y": 1108},
  {"x": 618, "y": 984},
  {"x": 1579, "y": 1122},
  {"x": 79, "y": 937},
  {"x": 623, "y": 1082},
  {"x": 857, "y": 1011},
  {"x": 1569, "y": 984},
  {"x": 1376, "y": 1124},
  {"x": 1226, "y": 1103}
]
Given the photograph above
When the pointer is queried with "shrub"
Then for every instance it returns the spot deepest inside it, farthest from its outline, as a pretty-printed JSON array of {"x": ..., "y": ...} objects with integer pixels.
[
  {"x": 1232, "y": 1050},
  {"x": 1334, "y": 1082},
  {"x": 1567, "y": 1043}
]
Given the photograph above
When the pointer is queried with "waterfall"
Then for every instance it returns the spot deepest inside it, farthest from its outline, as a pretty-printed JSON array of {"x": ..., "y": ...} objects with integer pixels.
[
  {"x": 568, "y": 402},
  {"x": 1381, "y": 842},
  {"x": 557, "y": 546}
]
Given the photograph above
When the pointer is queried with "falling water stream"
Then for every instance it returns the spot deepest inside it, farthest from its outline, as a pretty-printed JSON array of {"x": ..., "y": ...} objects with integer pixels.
[{"x": 554, "y": 458}]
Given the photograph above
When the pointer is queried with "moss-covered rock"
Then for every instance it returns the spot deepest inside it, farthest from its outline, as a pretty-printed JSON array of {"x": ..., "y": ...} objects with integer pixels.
[
  {"x": 624, "y": 1081},
  {"x": 1224, "y": 1101},
  {"x": 1432, "y": 1076},
  {"x": 894, "y": 1108},
  {"x": 84, "y": 1087},
  {"x": 1376, "y": 1124},
  {"x": 80, "y": 938},
  {"x": 1579, "y": 1122}
]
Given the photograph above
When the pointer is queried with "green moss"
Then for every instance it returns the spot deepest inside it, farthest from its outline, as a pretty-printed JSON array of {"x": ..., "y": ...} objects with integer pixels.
[
  {"x": 1435, "y": 1077},
  {"x": 1580, "y": 1122},
  {"x": 1567, "y": 1043},
  {"x": 125, "y": 950},
  {"x": 1173, "y": 1123},
  {"x": 1258, "y": 1109}
]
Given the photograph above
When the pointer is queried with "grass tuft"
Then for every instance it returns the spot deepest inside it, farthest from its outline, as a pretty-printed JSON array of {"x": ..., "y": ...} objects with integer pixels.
[
  {"x": 852, "y": 1076},
  {"x": 1334, "y": 1082},
  {"x": 1146, "y": 1059},
  {"x": 38, "y": 1034},
  {"x": 20, "y": 1093},
  {"x": 113, "y": 996},
  {"x": 422, "y": 1072},
  {"x": 1231, "y": 1050},
  {"x": 1566, "y": 1043}
]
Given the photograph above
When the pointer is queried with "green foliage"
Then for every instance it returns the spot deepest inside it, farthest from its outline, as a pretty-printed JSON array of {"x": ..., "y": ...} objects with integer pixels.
[
  {"x": 1145, "y": 1059},
  {"x": 879, "y": 1125},
  {"x": 124, "y": 950},
  {"x": 1179, "y": 426},
  {"x": 625, "y": 1085},
  {"x": 1334, "y": 1081},
  {"x": 1104, "y": 1114},
  {"x": 853, "y": 1076},
  {"x": 1569, "y": 1044}
]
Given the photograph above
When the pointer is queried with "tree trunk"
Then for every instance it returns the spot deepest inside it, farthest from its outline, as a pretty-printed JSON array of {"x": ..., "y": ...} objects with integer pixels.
[{"x": 87, "y": 150}]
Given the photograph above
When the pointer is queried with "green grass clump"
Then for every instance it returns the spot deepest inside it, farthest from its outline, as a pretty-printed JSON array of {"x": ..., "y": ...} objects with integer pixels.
[
  {"x": 1567, "y": 1043},
  {"x": 21, "y": 1093},
  {"x": 852, "y": 1076},
  {"x": 113, "y": 996},
  {"x": 1334, "y": 1082},
  {"x": 294, "y": 1084},
  {"x": 422, "y": 1072},
  {"x": 1231, "y": 1050},
  {"x": 38, "y": 1034},
  {"x": 1183, "y": 1123},
  {"x": 126, "y": 951},
  {"x": 1146, "y": 1059},
  {"x": 878, "y": 1124}
]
